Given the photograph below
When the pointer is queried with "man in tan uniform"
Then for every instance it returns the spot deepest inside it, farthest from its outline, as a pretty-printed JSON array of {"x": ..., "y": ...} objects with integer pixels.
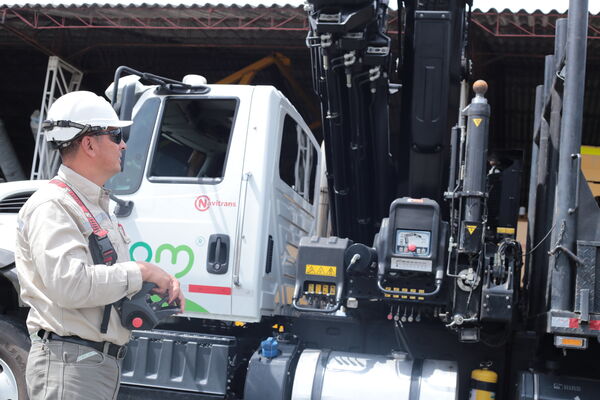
[{"x": 71, "y": 357}]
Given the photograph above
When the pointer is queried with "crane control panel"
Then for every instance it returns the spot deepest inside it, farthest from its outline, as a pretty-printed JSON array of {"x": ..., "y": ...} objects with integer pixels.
[{"x": 410, "y": 249}]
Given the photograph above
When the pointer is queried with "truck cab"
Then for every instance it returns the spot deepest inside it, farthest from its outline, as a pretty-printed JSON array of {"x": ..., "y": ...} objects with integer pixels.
[{"x": 223, "y": 184}]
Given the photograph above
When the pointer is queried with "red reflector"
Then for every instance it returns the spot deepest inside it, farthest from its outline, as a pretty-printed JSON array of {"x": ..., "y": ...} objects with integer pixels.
[
  {"x": 137, "y": 322},
  {"x": 573, "y": 323},
  {"x": 210, "y": 289}
]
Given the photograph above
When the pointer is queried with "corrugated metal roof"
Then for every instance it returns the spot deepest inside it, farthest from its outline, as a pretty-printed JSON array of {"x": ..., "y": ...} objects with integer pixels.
[
  {"x": 530, "y": 6},
  {"x": 145, "y": 3}
]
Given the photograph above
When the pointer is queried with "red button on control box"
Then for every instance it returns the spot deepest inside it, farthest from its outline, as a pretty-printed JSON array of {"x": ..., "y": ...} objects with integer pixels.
[{"x": 137, "y": 322}]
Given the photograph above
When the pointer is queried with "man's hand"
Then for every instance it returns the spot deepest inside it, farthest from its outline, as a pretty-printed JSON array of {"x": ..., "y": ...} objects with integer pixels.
[{"x": 165, "y": 282}]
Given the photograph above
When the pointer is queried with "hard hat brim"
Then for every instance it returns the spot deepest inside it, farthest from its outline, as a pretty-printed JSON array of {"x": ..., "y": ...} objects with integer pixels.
[{"x": 107, "y": 123}]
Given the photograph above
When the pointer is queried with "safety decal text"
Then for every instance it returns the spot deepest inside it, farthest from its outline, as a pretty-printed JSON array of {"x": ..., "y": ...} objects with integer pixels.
[{"x": 322, "y": 270}]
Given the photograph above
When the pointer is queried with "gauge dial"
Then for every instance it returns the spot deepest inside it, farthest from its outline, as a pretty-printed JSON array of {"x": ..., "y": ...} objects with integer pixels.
[{"x": 413, "y": 243}]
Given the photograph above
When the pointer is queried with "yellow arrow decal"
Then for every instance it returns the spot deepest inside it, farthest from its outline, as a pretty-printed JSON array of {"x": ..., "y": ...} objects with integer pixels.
[
  {"x": 471, "y": 228},
  {"x": 477, "y": 121}
]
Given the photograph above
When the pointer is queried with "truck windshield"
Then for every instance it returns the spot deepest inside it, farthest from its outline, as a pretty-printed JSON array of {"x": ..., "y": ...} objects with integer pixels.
[
  {"x": 140, "y": 136},
  {"x": 193, "y": 140}
]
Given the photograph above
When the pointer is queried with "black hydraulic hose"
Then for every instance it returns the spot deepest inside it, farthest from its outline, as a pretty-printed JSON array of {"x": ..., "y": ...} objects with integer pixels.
[
  {"x": 360, "y": 166},
  {"x": 336, "y": 134},
  {"x": 401, "y": 338}
]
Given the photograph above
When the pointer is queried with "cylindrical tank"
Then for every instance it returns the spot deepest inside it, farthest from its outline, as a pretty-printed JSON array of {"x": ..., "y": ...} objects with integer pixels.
[
  {"x": 478, "y": 114},
  {"x": 333, "y": 375}
]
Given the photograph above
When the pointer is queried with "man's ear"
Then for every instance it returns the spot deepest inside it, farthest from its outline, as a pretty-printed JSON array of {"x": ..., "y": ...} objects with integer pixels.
[{"x": 88, "y": 146}]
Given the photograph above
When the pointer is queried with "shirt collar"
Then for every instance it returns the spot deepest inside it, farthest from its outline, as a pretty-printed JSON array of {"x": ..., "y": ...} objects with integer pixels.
[{"x": 92, "y": 192}]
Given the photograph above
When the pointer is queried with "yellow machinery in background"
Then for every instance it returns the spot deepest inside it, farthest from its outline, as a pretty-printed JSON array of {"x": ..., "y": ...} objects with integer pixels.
[
  {"x": 590, "y": 165},
  {"x": 246, "y": 75}
]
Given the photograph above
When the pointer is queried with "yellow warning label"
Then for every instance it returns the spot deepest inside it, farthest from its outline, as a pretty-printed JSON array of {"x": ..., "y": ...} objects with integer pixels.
[
  {"x": 323, "y": 270},
  {"x": 477, "y": 121},
  {"x": 332, "y": 290},
  {"x": 471, "y": 228},
  {"x": 508, "y": 231},
  {"x": 591, "y": 150},
  {"x": 325, "y": 289}
]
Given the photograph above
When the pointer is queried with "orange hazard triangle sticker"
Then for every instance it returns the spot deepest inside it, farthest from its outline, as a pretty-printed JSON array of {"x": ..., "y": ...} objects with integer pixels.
[
  {"x": 471, "y": 228},
  {"x": 477, "y": 121}
]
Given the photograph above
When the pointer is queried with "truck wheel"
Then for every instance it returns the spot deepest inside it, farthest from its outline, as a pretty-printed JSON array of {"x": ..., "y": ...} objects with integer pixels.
[{"x": 14, "y": 348}]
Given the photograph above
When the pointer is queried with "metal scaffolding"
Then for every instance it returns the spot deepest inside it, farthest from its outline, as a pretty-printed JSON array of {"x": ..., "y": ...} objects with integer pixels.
[{"x": 61, "y": 78}]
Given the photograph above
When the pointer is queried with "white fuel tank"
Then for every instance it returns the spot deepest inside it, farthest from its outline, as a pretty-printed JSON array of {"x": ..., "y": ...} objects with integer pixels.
[{"x": 338, "y": 375}]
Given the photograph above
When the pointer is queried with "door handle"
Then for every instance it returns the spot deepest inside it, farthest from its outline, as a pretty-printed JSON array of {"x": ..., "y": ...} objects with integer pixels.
[{"x": 217, "y": 261}]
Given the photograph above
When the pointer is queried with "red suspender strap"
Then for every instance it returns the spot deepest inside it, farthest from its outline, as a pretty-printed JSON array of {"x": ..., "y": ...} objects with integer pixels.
[
  {"x": 93, "y": 223},
  {"x": 100, "y": 246}
]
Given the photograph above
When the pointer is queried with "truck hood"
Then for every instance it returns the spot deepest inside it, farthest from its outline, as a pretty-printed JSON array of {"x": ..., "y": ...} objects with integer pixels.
[{"x": 12, "y": 197}]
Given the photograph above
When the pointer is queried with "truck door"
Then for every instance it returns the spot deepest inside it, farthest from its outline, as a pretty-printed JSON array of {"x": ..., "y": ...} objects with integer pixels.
[
  {"x": 296, "y": 194},
  {"x": 186, "y": 208}
]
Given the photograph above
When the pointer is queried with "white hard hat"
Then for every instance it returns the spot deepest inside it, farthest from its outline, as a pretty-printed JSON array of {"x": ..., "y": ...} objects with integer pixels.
[{"x": 78, "y": 113}]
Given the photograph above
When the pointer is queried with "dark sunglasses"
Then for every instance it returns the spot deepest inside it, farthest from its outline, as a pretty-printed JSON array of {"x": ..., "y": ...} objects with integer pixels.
[{"x": 116, "y": 135}]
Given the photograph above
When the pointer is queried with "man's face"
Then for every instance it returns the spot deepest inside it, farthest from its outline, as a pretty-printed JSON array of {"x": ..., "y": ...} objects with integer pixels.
[{"x": 109, "y": 152}]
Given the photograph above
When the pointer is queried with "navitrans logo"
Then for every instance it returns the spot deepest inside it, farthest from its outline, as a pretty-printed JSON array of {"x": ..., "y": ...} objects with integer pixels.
[{"x": 204, "y": 202}]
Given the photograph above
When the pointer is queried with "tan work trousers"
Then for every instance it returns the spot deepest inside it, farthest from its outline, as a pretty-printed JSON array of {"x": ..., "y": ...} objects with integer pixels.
[{"x": 66, "y": 371}]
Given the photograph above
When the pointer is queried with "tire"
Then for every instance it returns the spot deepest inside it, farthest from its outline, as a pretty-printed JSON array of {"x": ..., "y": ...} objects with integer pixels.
[{"x": 14, "y": 348}]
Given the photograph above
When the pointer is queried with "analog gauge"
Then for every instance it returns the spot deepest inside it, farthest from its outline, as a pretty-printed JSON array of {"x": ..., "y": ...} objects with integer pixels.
[{"x": 413, "y": 243}]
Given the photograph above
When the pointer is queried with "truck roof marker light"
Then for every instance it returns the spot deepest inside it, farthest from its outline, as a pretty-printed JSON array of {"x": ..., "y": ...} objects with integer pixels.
[{"x": 194, "y": 80}]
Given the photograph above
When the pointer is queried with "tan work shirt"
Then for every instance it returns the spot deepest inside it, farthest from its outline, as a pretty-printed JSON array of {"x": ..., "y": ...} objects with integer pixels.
[{"x": 59, "y": 281}]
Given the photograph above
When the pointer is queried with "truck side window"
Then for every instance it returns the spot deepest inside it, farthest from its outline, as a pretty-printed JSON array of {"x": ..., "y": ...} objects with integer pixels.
[
  {"x": 193, "y": 139},
  {"x": 298, "y": 160}
]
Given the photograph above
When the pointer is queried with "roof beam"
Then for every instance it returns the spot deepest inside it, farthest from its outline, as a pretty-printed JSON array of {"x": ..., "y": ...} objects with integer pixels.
[{"x": 29, "y": 40}]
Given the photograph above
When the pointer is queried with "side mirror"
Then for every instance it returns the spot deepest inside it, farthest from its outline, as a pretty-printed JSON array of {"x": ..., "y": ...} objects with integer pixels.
[{"x": 126, "y": 104}]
